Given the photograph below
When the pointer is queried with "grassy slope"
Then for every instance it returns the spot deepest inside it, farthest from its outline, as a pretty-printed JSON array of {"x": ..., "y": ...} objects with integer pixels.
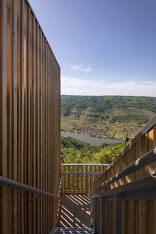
[{"x": 113, "y": 116}]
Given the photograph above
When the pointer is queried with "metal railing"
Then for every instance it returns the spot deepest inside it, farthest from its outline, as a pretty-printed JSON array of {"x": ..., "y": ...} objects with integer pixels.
[
  {"x": 139, "y": 163},
  {"x": 141, "y": 189},
  {"x": 17, "y": 185},
  {"x": 60, "y": 186}
]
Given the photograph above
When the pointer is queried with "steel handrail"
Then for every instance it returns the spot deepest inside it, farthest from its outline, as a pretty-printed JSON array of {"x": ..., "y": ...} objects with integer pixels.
[
  {"x": 139, "y": 163},
  {"x": 85, "y": 164},
  {"x": 59, "y": 190},
  {"x": 17, "y": 185},
  {"x": 82, "y": 172}
]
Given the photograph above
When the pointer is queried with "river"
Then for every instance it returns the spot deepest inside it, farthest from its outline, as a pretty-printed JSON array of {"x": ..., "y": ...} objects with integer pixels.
[{"x": 89, "y": 139}]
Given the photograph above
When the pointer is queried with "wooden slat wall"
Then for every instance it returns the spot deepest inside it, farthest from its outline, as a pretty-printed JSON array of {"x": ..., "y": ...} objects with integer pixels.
[
  {"x": 29, "y": 120},
  {"x": 138, "y": 216}
]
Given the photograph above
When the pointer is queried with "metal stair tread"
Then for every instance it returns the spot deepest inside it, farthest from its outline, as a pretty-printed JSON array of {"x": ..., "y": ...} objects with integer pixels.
[{"x": 73, "y": 230}]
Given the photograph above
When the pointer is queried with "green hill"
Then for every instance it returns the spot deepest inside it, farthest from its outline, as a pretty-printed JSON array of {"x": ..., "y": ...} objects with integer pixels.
[
  {"x": 74, "y": 151},
  {"x": 110, "y": 116}
]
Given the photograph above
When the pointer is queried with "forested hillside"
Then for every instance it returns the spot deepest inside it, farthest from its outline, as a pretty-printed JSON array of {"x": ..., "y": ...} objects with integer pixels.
[
  {"x": 74, "y": 151},
  {"x": 109, "y": 116}
]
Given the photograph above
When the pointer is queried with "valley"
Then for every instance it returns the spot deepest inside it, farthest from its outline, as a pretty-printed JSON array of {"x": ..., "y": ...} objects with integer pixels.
[{"x": 119, "y": 117}]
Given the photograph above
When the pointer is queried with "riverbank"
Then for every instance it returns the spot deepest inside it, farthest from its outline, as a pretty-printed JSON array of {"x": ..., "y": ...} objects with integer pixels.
[
  {"x": 75, "y": 151},
  {"x": 95, "y": 141}
]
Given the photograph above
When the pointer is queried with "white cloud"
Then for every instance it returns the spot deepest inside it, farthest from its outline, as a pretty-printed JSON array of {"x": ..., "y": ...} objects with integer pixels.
[
  {"x": 78, "y": 86},
  {"x": 80, "y": 68}
]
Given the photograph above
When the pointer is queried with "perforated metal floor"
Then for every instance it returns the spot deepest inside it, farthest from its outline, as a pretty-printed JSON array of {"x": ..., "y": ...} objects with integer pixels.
[{"x": 73, "y": 230}]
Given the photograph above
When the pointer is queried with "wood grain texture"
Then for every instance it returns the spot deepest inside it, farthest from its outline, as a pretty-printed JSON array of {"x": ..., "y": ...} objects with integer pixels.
[
  {"x": 29, "y": 120},
  {"x": 138, "y": 216},
  {"x": 4, "y": 192}
]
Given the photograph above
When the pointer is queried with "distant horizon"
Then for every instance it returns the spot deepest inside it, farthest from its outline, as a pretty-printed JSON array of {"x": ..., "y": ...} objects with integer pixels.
[
  {"x": 106, "y": 96},
  {"x": 79, "y": 86},
  {"x": 103, "y": 47}
]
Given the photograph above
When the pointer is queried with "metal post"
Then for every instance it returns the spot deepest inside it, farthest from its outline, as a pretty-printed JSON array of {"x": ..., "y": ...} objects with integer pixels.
[
  {"x": 88, "y": 183},
  {"x": 62, "y": 185},
  {"x": 91, "y": 212},
  {"x": 117, "y": 214},
  {"x": 103, "y": 216},
  {"x": 95, "y": 215}
]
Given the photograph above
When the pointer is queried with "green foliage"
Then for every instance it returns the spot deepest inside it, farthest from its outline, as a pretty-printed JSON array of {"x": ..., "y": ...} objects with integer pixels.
[
  {"x": 108, "y": 115},
  {"x": 74, "y": 151},
  {"x": 69, "y": 142}
]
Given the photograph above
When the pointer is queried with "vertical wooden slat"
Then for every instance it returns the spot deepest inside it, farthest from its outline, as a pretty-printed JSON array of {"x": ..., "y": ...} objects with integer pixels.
[
  {"x": 69, "y": 179},
  {"x": 9, "y": 106},
  {"x": 42, "y": 139},
  {"x": 152, "y": 204},
  {"x": 53, "y": 126},
  {"x": 14, "y": 112},
  {"x": 91, "y": 178},
  {"x": 37, "y": 122},
  {"x": 77, "y": 180},
  {"x": 29, "y": 89},
  {"x": 39, "y": 127},
  {"x": 73, "y": 180},
  {"x": 95, "y": 176},
  {"x": 25, "y": 117},
  {"x": 45, "y": 134},
  {"x": 18, "y": 105},
  {"x": 46, "y": 164},
  {"x": 154, "y": 169},
  {"x": 103, "y": 216},
  {"x": 64, "y": 180},
  {"x": 82, "y": 180},
  {"x": 86, "y": 180},
  {"x": 48, "y": 137},
  {"x": 21, "y": 166},
  {"x": 4, "y": 212},
  {"x": 96, "y": 215},
  {"x": 28, "y": 115},
  {"x": 49, "y": 119},
  {"x": 118, "y": 215}
]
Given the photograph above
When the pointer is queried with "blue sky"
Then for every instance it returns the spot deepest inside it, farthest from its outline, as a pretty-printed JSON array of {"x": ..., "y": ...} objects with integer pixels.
[{"x": 104, "y": 47}]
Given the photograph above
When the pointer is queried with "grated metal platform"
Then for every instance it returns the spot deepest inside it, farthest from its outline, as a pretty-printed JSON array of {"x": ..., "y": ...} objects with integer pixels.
[{"x": 71, "y": 230}]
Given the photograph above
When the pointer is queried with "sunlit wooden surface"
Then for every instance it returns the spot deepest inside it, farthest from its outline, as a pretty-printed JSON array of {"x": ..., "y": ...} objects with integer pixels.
[
  {"x": 138, "y": 216},
  {"x": 29, "y": 120}
]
